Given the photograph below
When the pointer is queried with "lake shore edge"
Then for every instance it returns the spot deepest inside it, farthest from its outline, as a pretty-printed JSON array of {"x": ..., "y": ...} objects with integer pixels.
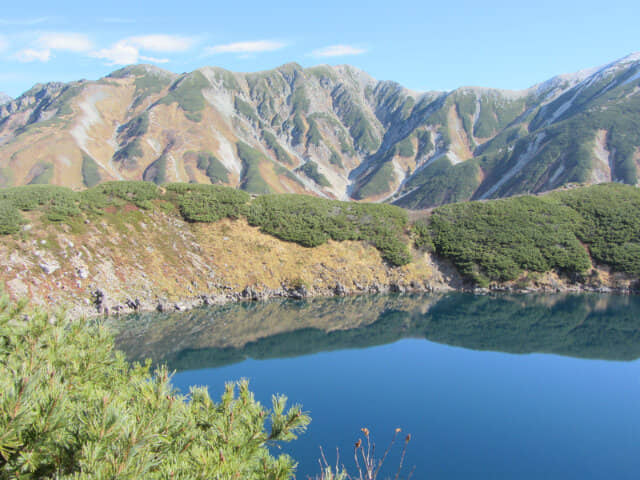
[{"x": 102, "y": 306}]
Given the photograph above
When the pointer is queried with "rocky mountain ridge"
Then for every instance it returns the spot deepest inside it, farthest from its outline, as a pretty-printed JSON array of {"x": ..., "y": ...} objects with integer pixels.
[{"x": 330, "y": 131}]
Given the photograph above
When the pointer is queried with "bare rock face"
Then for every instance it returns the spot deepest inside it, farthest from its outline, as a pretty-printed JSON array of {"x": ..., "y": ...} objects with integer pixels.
[
  {"x": 49, "y": 266},
  {"x": 4, "y": 98}
]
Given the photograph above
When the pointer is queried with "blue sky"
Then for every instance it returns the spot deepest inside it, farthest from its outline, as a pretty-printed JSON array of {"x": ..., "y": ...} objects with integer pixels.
[{"x": 422, "y": 45}]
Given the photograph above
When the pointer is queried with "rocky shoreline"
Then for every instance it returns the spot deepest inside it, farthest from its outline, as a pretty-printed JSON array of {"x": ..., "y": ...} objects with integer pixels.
[
  {"x": 158, "y": 262},
  {"x": 102, "y": 306}
]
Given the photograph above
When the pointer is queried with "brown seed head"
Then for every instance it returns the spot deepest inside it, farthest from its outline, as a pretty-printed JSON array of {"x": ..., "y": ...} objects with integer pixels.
[
  {"x": 358, "y": 443},
  {"x": 398, "y": 430},
  {"x": 365, "y": 430},
  {"x": 408, "y": 438}
]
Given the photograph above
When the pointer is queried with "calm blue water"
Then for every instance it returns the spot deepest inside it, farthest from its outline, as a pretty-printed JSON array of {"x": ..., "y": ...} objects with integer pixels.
[{"x": 471, "y": 413}]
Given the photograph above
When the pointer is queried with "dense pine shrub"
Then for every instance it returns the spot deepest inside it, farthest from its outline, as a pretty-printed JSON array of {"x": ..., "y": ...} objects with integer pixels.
[{"x": 72, "y": 407}]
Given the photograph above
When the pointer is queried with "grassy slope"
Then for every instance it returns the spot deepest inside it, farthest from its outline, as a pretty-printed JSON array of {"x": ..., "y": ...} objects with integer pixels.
[{"x": 137, "y": 240}]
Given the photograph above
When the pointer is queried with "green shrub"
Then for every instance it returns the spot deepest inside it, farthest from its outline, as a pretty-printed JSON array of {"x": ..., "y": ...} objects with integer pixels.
[
  {"x": 208, "y": 203},
  {"x": 72, "y": 407},
  {"x": 498, "y": 240},
  {"x": 422, "y": 235},
  {"x": 58, "y": 203},
  {"x": 32, "y": 197},
  {"x": 311, "y": 221},
  {"x": 117, "y": 192},
  {"x": 610, "y": 224},
  {"x": 10, "y": 218}
]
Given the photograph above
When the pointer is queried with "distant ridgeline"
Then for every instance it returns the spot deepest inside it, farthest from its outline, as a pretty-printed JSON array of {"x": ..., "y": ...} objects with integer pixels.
[
  {"x": 585, "y": 326},
  {"x": 333, "y": 132},
  {"x": 491, "y": 241}
]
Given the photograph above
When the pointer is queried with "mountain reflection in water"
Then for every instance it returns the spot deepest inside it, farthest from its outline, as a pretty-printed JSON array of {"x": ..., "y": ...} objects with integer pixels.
[{"x": 580, "y": 325}]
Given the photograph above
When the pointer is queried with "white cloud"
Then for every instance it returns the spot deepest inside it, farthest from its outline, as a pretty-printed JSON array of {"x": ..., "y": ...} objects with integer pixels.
[
  {"x": 129, "y": 50},
  {"x": 246, "y": 47},
  {"x": 46, "y": 43},
  {"x": 124, "y": 53},
  {"x": 161, "y": 43},
  {"x": 338, "y": 51},
  {"x": 32, "y": 55},
  {"x": 120, "y": 53},
  {"x": 72, "y": 42}
]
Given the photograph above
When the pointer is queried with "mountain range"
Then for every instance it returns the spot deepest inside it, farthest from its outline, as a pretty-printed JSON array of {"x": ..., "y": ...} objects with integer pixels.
[{"x": 332, "y": 131}]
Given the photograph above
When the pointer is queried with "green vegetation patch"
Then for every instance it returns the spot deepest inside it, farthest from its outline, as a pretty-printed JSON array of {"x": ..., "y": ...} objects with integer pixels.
[
  {"x": 136, "y": 127},
  {"x": 208, "y": 203},
  {"x": 43, "y": 174},
  {"x": 252, "y": 180},
  {"x": 335, "y": 159},
  {"x": 299, "y": 101},
  {"x": 90, "y": 171},
  {"x": 311, "y": 221},
  {"x": 213, "y": 167},
  {"x": 156, "y": 172},
  {"x": 353, "y": 117},
  {"x": 116, "y": 193},
  {"x": 610, "y": 223},
  {"x": 377, "y": 183},
  {"x": 11, "y": 220},
  {"x": 310, "y": 169},
  {"x": 245, "y": 109},
  {"x": 187, "y": 92},
  {"x": 314, "y": 137},
  {"x": 404, "y": 147},
  {"x": 498, "y": 240},
  {"x": 128, "y": 154},
  {"x": 57, "y": 203},
  {"x": 441, "y": 182},
  {"x": 299, "y": 129},
  {"x": 73, "y": 407},
  {"x": 273, "y": 144}
]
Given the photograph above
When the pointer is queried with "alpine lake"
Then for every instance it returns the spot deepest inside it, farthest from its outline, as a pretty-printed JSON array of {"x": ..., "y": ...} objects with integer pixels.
[{"x": 490, "y": 387}]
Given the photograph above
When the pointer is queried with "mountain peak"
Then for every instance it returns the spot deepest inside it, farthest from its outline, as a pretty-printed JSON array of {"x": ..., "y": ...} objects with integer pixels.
[
  {"x": 332, "y": 131},
  {"x": 4, "y": 98},
  {"x": 631, "y": 58},
  {"x": 139, "y": 70}
]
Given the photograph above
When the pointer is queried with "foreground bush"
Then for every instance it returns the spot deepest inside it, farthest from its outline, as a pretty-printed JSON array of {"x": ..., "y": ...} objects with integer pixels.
[{"x": 72, "y": 407}]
